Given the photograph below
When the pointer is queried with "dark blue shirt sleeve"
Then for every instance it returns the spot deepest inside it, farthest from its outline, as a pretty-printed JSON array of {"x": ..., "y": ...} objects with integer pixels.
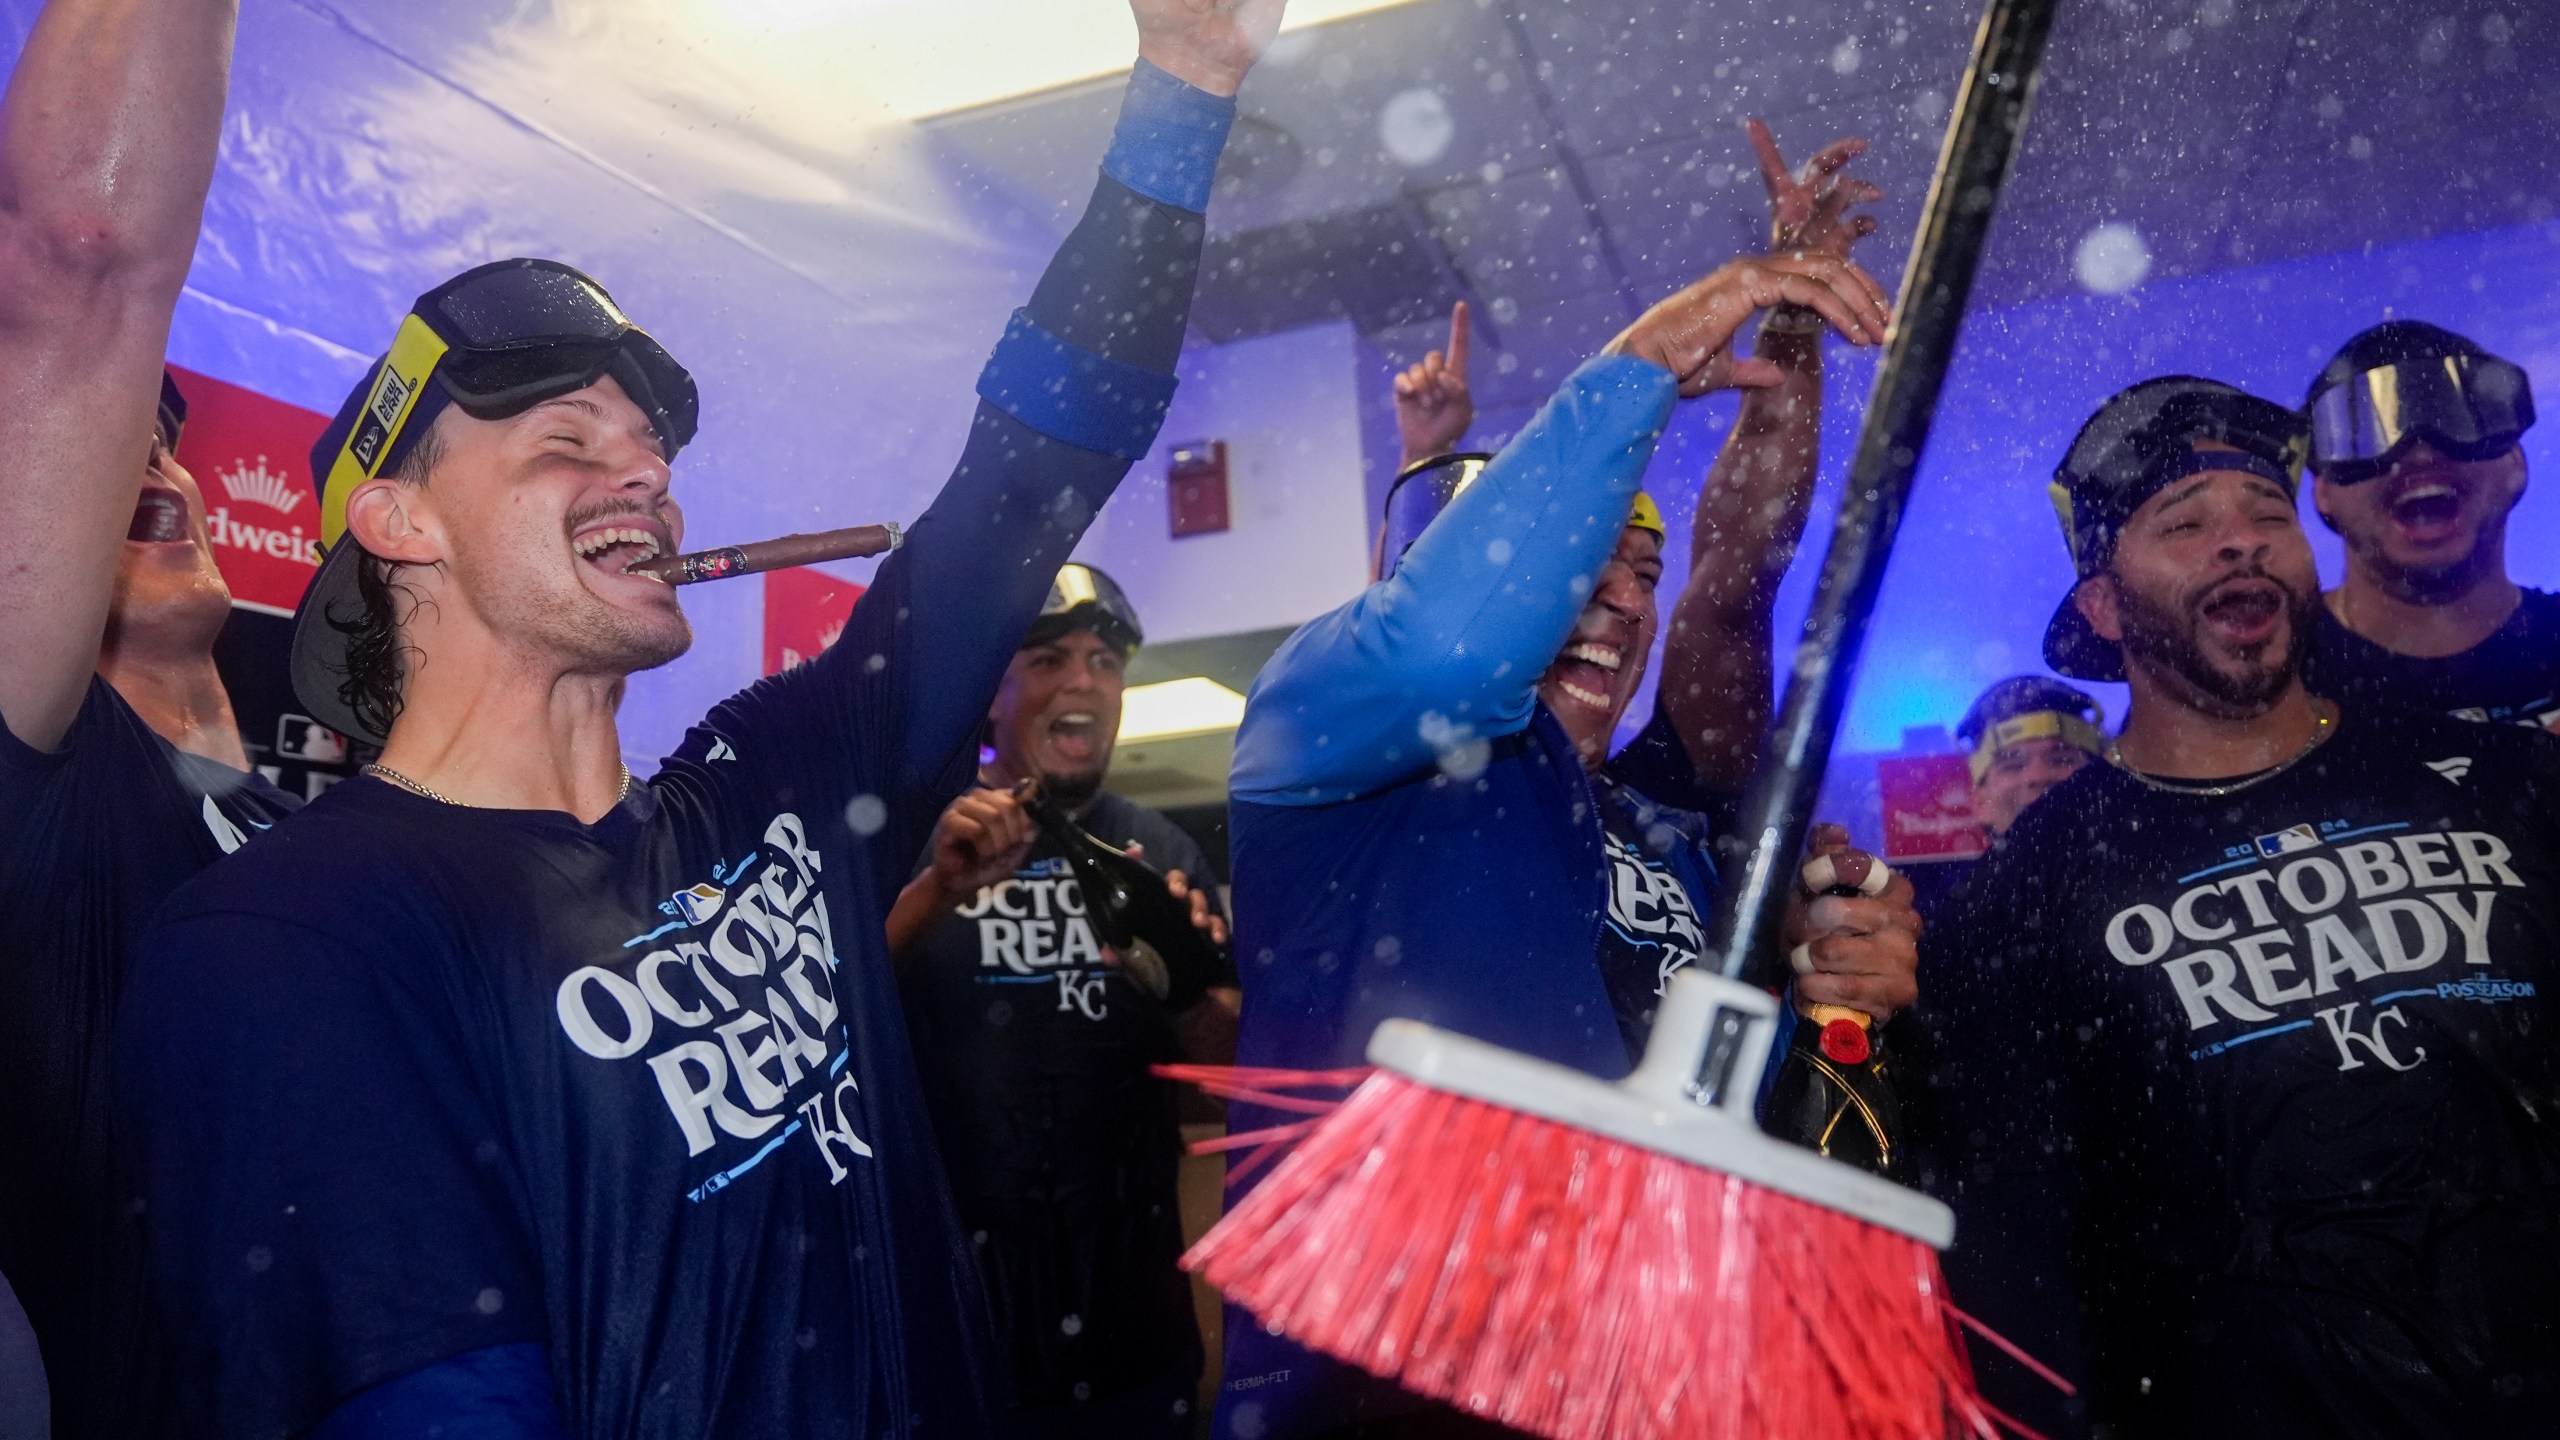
[
  {"x": 501, "y": 1393},
  {"x": 1071, "y": 397}
]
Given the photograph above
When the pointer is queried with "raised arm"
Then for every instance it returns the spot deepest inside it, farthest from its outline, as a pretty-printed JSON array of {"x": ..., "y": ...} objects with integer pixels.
[
  {"x": 1077, "y": 387},
  {"x": 107, "y": 139},
  {"x": 1449, "y": 646},
  {"x": 1716, "y": 676},
  {"x": 1447, "y": 650}
]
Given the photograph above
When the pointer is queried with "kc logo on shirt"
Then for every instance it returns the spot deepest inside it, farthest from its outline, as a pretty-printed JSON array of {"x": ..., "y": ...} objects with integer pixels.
[{"x": 735, "y": 1020}]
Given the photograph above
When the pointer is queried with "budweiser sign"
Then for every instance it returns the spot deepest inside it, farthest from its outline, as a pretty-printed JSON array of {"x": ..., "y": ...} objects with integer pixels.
[
  {"x": 804, "y": 611},
  {"x": 1928, "y": 809},
  {"x": 250, "y": 457}
]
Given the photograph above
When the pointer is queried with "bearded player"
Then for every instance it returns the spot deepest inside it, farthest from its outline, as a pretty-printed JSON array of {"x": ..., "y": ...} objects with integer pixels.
[
  {"x": 500, "y": 1094},
  {"x": 2243, "y": 1037}
]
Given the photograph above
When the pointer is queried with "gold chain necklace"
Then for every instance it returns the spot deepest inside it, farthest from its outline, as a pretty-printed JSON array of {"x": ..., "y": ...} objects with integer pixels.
[
  {"x": 2319, "y": 734},
  {"x": 420, "y": 788}
]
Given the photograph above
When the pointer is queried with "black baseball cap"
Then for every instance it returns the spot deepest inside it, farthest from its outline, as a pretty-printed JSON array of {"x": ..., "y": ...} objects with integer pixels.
[
  {"x": 1083, "y": 598},
  {"x": 495, "y": 341},
  {"x": 2139, "y": 442},
  {"x": 2403, "y": 380}
]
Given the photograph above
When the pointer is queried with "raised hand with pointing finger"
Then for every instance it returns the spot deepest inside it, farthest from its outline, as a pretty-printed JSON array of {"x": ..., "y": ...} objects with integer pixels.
[{"x": 1433, "y": 406}]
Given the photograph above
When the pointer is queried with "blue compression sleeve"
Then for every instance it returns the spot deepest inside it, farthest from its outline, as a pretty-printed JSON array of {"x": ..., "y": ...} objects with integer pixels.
[
  {"x": 1169, "y": 138},
  {"x": 1450, "y": 647},
  {"x": 1074, "y": 393},
  {"x": 501, "y": 1393}
]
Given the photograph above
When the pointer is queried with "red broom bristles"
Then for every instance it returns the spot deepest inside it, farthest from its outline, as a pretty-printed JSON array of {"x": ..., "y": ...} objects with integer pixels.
[{"x": 1581, "y": 1288}]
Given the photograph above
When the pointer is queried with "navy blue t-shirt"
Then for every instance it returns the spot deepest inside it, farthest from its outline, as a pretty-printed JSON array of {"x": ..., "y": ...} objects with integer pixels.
[
  {"x": 2260, "y": 1089},
  {"x": 2512, "y": 677},
  {"x": 1660, "y": 873},
  {"x": 100, "y": 831},
  {"x": 414, "y": 1079},
  {"x": 1062, "y": 1149}
]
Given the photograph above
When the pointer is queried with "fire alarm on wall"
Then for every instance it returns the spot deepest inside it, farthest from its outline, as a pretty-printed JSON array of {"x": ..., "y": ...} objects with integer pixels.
[{"x": 1196, "y": 488}]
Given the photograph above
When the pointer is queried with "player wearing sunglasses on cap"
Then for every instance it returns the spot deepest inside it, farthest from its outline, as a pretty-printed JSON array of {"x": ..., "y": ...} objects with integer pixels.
[
  {"x": 122, "y": 772},
  {"x": 2417, "y": 459},
  {"x": 2240, "y": 1039},
  {"x": 543, "y": 1101}
]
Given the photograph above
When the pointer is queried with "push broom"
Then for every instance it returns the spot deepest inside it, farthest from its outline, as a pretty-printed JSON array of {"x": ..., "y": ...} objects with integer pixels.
[{"x": 1590, "y": 1260}]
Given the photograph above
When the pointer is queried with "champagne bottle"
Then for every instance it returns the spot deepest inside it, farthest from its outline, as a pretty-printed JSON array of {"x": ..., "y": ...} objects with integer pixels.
[
  {"x": 1132, "y": 910},
  {"x": 1833, "y": 1093}
]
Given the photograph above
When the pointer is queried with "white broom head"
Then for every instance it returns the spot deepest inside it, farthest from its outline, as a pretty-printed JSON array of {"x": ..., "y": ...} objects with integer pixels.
[{"x": 1658, "y": 1106}]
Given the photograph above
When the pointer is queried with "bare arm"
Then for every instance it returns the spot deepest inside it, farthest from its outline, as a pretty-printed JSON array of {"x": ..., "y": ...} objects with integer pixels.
[
  {"x": 107, "y": 139},
  {"x": 1716, "y": 667}
]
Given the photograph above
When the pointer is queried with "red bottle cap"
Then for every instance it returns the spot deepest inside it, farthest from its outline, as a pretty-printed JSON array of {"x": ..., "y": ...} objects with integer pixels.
[{"x": 1845, "y": 1041}]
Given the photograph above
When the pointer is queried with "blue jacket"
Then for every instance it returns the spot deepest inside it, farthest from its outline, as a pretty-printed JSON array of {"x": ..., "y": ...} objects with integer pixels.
[{"x": 1413, "y": 833}]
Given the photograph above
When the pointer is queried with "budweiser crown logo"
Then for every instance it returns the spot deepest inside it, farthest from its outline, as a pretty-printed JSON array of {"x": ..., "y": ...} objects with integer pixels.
[{"x": 258, "y": 485}]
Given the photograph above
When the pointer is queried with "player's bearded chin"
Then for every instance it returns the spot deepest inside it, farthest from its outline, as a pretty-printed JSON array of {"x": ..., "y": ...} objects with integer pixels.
[
  {"x": 1073, "y": 789},
  {"x": 2167, "y": 639}
]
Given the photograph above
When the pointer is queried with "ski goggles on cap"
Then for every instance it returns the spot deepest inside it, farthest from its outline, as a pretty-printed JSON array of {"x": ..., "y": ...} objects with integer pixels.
[
  {"x": 1083, "y": 598},
  {"x": 1423, "y": 489},
  {"x": 2140, "y": 442},
  {"x": 2470, "y": 407},
  {"x": 2074, "y": 730},
  {"x": 495, "y": 341}
]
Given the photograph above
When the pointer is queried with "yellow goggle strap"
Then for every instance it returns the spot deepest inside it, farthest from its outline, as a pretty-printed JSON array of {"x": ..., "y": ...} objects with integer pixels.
[
  {"x": 2034, "y": 725},
  {"x": 394, "y": 399},
  {"x": 1647, "y": 516}
]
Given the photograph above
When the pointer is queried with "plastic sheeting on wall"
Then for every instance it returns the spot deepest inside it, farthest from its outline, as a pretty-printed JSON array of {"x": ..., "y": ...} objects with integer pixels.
[{"x": 833, "y": 286}]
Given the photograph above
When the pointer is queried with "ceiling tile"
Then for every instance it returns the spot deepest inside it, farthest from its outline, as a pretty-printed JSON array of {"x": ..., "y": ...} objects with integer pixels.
[{"x": 1523, "y": 237}]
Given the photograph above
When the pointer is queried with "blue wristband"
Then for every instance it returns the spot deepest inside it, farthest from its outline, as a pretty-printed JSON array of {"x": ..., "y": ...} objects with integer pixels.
[
  {"x": 1169, "y": 138},
  {"x": 1087, "y": 400}
]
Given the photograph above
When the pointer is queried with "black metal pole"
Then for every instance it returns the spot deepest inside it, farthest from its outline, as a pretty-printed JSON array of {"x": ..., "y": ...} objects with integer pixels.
[{"x": 1982, "y": 142}]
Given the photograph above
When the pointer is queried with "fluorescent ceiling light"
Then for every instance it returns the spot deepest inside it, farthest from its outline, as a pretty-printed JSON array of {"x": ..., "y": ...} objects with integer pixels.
[
  {"x": 931, "y": 57},
  {"x": 1193, "y": 705}
]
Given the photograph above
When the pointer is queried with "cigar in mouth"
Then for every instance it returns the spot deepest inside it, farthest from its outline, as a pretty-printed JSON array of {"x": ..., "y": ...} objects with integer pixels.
[{"x": 780, "y": 553}]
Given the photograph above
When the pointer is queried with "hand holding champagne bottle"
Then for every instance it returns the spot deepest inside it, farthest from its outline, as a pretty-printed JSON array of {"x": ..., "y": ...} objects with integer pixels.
[
  {"x": 1159, "y": 935},
  {"x": 1833, "y": 1092}
]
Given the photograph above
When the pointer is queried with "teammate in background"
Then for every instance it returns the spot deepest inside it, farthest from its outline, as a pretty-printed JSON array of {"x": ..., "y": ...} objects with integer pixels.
[
  {"x": 1034, "y": 1046},
  {"x": 1425, "y": 824},
  {"x": 2023, "y": 736},
  {"x": 2417, "y": 454},
  {"x": 1713, "y": 704},
  {"x": 499, "y": 1094},
  {"x": 121, "y": 771},
  {"x": 2243, "y": 1039}
]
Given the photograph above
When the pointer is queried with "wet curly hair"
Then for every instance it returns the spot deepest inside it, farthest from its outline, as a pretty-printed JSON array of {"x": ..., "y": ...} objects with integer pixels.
[{"x": 377, "y": 657}]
